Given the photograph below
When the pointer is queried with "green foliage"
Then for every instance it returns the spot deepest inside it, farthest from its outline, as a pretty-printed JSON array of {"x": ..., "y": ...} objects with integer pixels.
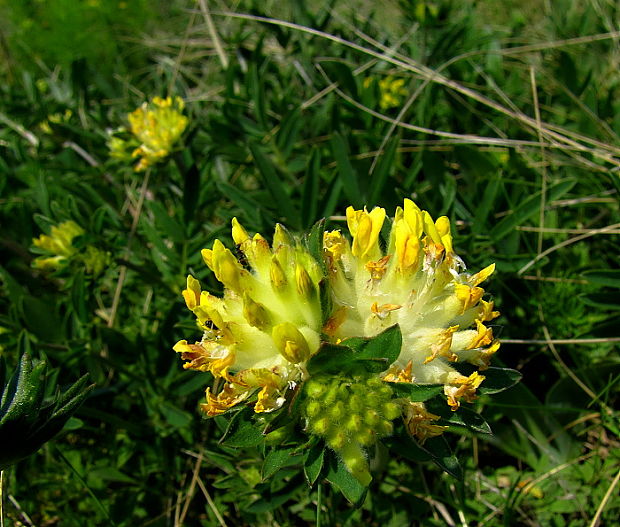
[
  {"x": 291, "y": 131},
  {"x": 28, "y": 419}
]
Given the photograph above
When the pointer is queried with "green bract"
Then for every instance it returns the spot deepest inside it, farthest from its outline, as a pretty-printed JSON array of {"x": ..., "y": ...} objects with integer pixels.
[{"x": 27, "y": 418}]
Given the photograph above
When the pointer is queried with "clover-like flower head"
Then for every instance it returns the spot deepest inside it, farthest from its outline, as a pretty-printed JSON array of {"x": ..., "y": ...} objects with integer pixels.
[
  {"x": 59, "y": 250},
  {"x": 58, "y": 245},
  {"x": 155, "y": 127},
  {"x": 284, "y": 316},
  {"x": 419, "y": 283},
  {"x": 265, "y": 327}
]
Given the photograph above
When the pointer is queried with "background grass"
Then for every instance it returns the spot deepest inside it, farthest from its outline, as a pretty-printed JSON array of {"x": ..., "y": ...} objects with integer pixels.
[{"x": 508, "y": 123}]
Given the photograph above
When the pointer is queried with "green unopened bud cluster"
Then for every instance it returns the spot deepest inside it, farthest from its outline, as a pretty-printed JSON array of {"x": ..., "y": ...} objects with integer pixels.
[{"x": 350, "y": 413}]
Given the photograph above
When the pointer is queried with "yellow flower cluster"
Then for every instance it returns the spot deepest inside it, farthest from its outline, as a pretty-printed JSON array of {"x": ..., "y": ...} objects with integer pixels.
[
  {"x": 58, "y": 246},
  {"x": 271, "y": 320},
  {"x": 154, "y": 128},
  {"x": 391, "y": 91},
  {"x": 419, "y": 283},
  {"x": 266, "y": 326}
]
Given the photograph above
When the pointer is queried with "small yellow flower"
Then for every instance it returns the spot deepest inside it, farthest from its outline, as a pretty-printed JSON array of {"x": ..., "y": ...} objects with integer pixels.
[
  {"x": 155, "y": 128},
  {"x": 59, "y": 244},
  {"x": 60, "y": 249},
  {"x": 259, "y": 337},
  {"x": 392, "y": 91},
  {"x": 265, "y": 327}
]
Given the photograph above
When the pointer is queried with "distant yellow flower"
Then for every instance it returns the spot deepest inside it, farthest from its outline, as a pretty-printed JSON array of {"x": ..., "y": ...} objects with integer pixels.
[
  {"x": 60, "y": 250},
  {"x": 392, "y": 91},
  {"x": 420, "y": 284},
  {"x": 265, "y": 327},
  {"x": 59, "y": 244},
  {"x": 155, "y": 128}
]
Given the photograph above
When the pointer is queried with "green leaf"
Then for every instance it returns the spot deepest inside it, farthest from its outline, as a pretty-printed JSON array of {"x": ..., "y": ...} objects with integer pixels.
[
  {"x": 373, "y": 354},
  {"x": 41, "y": 319},
  {"x": 407, "y": 448},
  {"x": 345, "y": 171},
  {"x": 272, "y": 182},
  {"x": 384, "y": 347},
  {"x": 483, "y": 207},
  {"x": 498, "y": 379},
  {"x": 342, "y": 74},
  {"x": 382, "y": 171},
  {"x": 314, "y": 241},
  {"x": 310, "y": 191},
  {"x": 602, "y": 300},
  {"x": 330, "y": 358},
  {"x": 604, "y": 277},
  {"x": 277, "y": 459},
  {"x": 168, "y": 225},
  {"x": 527, "y": 209},
  {"x": 313, "y": 462},
  {"x": 24, "y": 392},
  {"x": 463, "y": 417},
  {"x": 339, "y": 476},
  {"x": 417, "y": 393},
  {"x": 290, "y": 126},
  {"x": 242, "y": 431},
  {"x": 78, "y": 296},
  {"x": 175, "y": 417},
  {"x": 442, "y": 455},
  {"x": 250, "y": 207}
]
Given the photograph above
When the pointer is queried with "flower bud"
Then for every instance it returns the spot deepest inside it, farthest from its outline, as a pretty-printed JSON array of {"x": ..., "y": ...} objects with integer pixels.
[
  {"x": 256, "y": 314},
  {"x": 239, "y": 234},
  {"x": 277, "y": 275},
  {"x": 305, "y": 287},
  {"x": 290, "y": 342}
]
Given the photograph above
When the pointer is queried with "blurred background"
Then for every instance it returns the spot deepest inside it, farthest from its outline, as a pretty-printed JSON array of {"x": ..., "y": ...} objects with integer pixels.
[{"x": 503, "y": 117}]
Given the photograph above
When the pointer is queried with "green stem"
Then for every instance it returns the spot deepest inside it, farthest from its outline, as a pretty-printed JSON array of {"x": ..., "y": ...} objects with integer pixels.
[
  {"x": 1, "y": 498},
  {"x": 318, "y": 505}
]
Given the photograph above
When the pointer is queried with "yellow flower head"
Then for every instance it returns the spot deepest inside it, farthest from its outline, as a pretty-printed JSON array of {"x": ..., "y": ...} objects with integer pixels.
[
  {"x": 266, "y": 325},
  {"x": 280, "y": 305},
  {"x": 155, "y": 127},
  {"x": 392, "y": 91},
  {"x": 419, "y": 283},
  {"x": 58, "y": 244}
]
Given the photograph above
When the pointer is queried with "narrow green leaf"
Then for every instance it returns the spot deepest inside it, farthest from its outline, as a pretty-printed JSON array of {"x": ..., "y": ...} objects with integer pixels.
[
  {"x": 250, "y": 207},
  {"x": 168, "y": 225},
  {"x": 483, "y": 208},
  {"x": 601, "y": 300},
  {"x": 314, "y": 241},
  {"x": 382, "y": 171},
  {"x": 78, "y": 296},
  {"x": 527, "y": 209},
  {"x": 605, "y": 277},
  {"x": 310, "y": 191},
  {"x": 272, "y": 182},
  {"x": 346, "y": 173},
  {"x": 290, "y": 126},
  {"x": 341, "y": 73}
]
